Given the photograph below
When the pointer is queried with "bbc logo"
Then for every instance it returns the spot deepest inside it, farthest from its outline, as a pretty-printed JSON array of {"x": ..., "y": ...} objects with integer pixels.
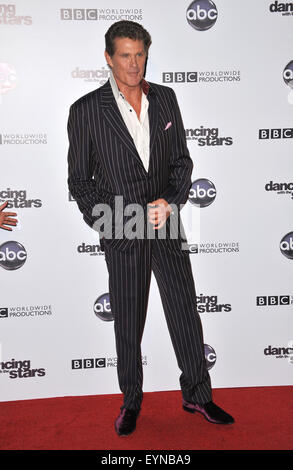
[
  {"x": 79, "y": 14},
  {"x": 192, "y": 248},
  {"x": 88, "y": 363},
  {"x": 275, "y": 133},
  {"x": 179, "y": 77},
  {"x": 273, "y": 300},
  {"x": 3, "y": 312}
]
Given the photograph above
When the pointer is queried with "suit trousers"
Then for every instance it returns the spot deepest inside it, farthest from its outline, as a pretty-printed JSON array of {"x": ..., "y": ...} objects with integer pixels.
[{"x": 129, "y": 282}]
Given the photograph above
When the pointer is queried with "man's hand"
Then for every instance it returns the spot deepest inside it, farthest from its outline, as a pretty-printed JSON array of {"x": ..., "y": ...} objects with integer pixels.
[
  {"x": 5, "y": 218},
  {"x": 158, "y": 213}
]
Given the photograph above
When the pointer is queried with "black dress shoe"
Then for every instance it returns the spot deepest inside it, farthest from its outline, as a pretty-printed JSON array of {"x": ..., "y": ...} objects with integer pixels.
[
  {"x": 126, "y": 422},
  {"x": 211, "y": 412}
]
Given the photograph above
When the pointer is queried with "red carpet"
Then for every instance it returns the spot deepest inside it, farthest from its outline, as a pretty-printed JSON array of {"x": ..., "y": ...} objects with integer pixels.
[{"x": 264, "y": 421}]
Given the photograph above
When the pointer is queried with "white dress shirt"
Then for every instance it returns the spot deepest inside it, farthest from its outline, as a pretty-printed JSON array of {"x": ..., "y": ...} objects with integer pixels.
[{"x": 138, "y": 128}]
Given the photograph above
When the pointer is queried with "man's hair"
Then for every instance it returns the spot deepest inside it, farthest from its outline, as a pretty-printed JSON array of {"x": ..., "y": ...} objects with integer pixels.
[{"x": 126, "y": 29}]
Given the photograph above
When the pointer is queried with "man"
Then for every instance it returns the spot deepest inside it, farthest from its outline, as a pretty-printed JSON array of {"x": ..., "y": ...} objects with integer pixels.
[
  {"x": 7, "y": 218},
  {"x": 127, "y": 140}
]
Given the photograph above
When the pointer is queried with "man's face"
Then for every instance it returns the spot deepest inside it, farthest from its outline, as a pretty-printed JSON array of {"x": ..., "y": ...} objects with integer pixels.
[{"x": 127, "y": 62}]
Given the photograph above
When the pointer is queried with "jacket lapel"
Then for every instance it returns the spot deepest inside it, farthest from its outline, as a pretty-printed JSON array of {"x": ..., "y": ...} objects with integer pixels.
[
  {"x": 153, "y": 120},
  {"x": 115, "y": 121}
]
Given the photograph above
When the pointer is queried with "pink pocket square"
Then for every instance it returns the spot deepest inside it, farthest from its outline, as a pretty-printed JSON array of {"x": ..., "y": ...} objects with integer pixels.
[{"x": 169, "y": 124}]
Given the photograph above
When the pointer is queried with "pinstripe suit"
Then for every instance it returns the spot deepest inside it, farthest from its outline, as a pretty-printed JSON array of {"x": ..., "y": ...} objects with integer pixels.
[{"x": 103, "y": 162}]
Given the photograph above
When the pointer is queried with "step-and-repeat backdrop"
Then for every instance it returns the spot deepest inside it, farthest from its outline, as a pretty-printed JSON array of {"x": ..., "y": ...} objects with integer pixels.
[{"x": 231, "y": 66}]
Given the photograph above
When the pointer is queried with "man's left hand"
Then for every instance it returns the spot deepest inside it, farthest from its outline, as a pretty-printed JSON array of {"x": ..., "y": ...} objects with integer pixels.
[{"x": 158, "y": 212}]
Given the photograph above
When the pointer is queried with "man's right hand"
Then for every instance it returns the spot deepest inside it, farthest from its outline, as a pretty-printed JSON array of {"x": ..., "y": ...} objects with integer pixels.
[{"x": 6, "y": 218}]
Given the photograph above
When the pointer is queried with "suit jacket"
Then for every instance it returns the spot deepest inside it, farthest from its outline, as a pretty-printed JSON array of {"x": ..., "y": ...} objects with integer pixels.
[{"x": 103, "y": 161}]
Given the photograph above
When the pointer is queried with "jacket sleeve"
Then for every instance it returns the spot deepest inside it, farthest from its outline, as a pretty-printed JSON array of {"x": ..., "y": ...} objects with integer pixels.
[
  {"x": 181, "y": 165},
  {"x": 81, "y": 165}
]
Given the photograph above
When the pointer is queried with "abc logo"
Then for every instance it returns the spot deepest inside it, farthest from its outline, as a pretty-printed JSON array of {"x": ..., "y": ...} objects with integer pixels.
[
  {"x": 210, "y": 356},
  {"x": 286, "y": 245},
  {"x": 12, "y": 255},
  {"x": 288, "y": 74},
  {"x": 202, "y": 14},
  {"x": 102, "y": 308},
  {"x": 202, "y": 192}
]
